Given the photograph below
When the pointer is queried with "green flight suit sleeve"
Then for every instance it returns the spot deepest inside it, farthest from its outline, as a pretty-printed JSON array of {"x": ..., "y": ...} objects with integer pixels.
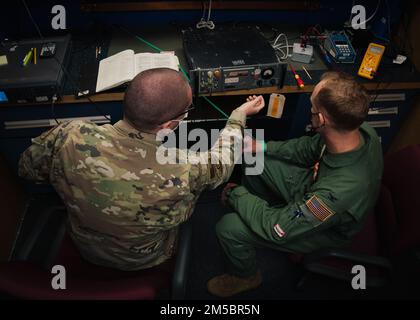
[
  {"x": 214, "y": 167},
  {"x": 281, "y": 224},
  {"x": 303, "y": 151},
  {"x": 35, "y": 162}
]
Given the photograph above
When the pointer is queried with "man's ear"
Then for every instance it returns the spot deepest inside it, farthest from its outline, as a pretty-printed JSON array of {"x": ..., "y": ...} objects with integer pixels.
[
  {"x": 166, "y": 125},
  {"x": 322, "y": 119}
]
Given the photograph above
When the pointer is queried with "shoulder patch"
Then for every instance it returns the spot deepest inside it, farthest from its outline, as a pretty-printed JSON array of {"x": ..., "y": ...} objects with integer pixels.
[
  {"x": 279, "y": 231},
  {"x": 319, "y": 209}
]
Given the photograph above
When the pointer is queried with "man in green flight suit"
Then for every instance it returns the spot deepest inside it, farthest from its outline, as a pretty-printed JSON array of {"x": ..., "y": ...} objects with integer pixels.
[{"x": 314, "y": 192}]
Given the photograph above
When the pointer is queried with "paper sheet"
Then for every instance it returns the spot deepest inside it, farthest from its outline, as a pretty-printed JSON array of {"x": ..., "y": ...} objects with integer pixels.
[
  {"x": 115, "y": 70},
  {"x": 125, "y": 65},
  {"x": 147, "y": 60}
]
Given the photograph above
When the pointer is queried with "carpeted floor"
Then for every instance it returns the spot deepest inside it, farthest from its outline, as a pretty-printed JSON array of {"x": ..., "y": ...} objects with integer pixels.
[{"x": 280, "y": 274}]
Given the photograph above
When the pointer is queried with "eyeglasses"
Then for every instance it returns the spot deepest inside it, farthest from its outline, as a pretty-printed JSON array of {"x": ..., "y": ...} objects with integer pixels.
[{"x": 191, "y": 107}]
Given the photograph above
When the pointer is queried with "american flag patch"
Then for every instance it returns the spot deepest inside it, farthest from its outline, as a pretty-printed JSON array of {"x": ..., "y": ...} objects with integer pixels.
[
  {"x": 279, "y": 231},
  {"x": 319, "y": 209}
]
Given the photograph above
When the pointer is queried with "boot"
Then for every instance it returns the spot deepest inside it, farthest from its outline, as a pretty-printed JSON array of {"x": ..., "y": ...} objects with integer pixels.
[{"x": 227, "y": 285}]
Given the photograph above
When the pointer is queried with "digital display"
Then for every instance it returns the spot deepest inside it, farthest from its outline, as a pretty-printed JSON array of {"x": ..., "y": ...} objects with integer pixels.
[
  {"x": 376, "y": 50},
  {"x": 232, "y": 80},
  {"x": 3, "y": 97},
  {"x": 340, "y": 42},
  {"x": 238, "y": 73}
]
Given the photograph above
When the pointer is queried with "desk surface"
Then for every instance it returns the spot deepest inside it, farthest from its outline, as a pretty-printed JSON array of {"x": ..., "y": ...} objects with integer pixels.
[{"x": 168, "y": 38}]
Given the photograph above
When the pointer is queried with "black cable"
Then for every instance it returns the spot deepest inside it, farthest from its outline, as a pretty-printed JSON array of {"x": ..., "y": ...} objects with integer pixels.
[
  {"x": 32, "y": 19},
  {"x": 274, "y": 31},
  {"x": 389, "y": 20},
  {"x": 75, "y": 87},
  {"x": 42, "y": 38},
  {"x": 372, "y": 103},
  {"x": 387, "y": 84},
  {"x": 407, "y": 45},
  {"x": 203, "y": 8},
  {"x": 52, "y": 109}
]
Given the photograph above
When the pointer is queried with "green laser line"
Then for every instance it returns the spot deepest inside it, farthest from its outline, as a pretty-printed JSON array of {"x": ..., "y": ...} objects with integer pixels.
[
  {"x": 205, "y": 98},
  {"x": 185, "y": 75},
  {"x": 216, "y": 107},
  {"x": 148, "y": 43}
]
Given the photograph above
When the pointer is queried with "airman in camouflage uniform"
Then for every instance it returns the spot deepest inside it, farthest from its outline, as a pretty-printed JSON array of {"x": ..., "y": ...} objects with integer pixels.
[{"x": 123, "y": 206}]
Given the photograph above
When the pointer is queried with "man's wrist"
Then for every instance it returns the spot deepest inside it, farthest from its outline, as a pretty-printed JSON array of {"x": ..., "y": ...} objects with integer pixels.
[{"x": 238, "y": 115}]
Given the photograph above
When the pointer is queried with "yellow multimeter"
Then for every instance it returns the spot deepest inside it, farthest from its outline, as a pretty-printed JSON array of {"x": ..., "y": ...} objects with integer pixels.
[{"x": 371, "y": 61}]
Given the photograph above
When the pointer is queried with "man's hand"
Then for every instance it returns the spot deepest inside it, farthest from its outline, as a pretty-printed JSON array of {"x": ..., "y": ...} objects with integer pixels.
[
  {"x": 253, "y": 105},
  {"x": 225, "y": 192},
  {"x": 252, "y": 145}
]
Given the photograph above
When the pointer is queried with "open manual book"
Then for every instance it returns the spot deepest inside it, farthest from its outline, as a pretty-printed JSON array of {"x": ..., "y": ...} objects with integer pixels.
[{"x": 125, "y": 65}]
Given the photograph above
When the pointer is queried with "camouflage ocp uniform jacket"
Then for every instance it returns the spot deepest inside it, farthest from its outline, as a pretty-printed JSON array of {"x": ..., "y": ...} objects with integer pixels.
[{"x": 123, "y": 206}]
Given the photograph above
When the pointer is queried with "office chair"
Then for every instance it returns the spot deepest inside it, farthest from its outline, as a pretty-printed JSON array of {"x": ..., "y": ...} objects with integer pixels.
[
  {"x": 389, "y": 232},
  {"x": 29, "y": 280}
]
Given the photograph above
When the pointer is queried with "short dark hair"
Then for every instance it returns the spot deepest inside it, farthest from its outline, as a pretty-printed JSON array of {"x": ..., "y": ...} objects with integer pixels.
[
  {"x": 344, "y": 99},
  {"x": 155, "y": 96}
]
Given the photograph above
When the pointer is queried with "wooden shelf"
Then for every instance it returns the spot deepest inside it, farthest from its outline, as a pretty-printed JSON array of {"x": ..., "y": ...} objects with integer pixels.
[
  {"x": 196, "y": 5},
  {"x": 119, "y": 96}
]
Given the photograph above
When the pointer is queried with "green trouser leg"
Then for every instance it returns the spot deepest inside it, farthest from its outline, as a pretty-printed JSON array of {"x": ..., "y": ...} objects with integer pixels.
[
  {"x": 279, "y": 183},
  {"x": 238, "y": 244}
]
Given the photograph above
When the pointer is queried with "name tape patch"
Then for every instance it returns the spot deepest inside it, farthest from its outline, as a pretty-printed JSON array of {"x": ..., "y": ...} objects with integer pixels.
[{"x": 279, "y": 231}]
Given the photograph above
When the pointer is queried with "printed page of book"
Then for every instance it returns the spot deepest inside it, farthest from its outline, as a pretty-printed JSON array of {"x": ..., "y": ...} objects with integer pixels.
[
  {"x": 147, "y": 60},
  {"x": 115, "y": 70}
]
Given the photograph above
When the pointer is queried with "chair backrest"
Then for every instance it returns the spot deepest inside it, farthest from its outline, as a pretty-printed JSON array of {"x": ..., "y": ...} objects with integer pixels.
[
  {"x": 13, "y": 202},
  {"x": 399, "y": 204},
  {"x": 393, "y": 228},
  {"x": 91, "y": 281},
  {"x": 25, "y": 279},
  {"x": 83, "y": 280},
  {"x": 366, "y": 240}
]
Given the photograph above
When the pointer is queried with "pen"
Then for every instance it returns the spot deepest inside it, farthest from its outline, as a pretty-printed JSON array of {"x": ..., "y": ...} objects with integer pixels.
[
  {"x": 27, "y": 58},
  {"x": 298, "y": 213},
  {"x": 34, "y": 55},
  {"x": 304, "y": 69}
]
